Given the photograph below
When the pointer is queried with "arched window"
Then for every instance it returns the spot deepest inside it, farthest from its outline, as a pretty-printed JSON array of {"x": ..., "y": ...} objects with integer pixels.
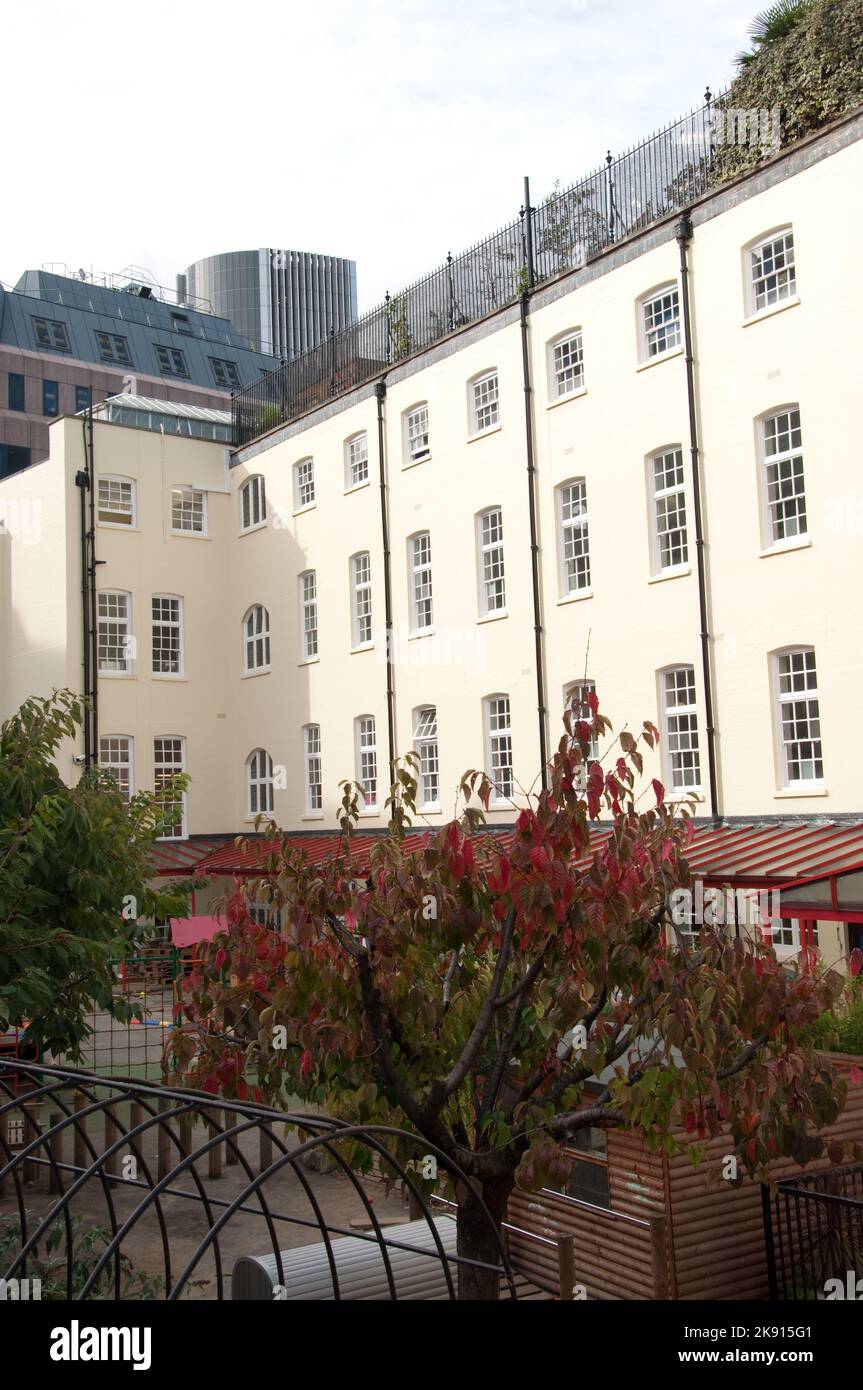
[
  {"x": 356, "y": 460},
  {"x": 679, "y": 708},
  {"x": 498, "y": 738},
  {"x": 253, "y": 503},
  {"x": 259, "y": 783},
  {"x": 365, "y": 740},
  {"x": 256, "y": 639}
]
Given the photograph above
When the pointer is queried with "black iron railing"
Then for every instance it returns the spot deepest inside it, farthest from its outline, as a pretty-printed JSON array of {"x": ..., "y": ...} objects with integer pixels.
[
  {"x": 120, "y": 1189},
  {"x": 568, "y": 229},
  {"x": 813, "y": 1228}
]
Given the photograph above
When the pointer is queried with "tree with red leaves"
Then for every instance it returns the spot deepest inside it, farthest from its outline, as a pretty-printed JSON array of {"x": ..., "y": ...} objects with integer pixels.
[{"x": 498, "y": 995}]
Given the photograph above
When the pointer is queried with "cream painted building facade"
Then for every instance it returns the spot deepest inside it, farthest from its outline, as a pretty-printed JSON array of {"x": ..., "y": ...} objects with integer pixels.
[{"x": 253, "y": 585}]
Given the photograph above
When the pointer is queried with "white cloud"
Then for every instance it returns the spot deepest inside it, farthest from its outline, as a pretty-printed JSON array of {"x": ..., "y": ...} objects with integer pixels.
[{"x": 388, "y": 131}]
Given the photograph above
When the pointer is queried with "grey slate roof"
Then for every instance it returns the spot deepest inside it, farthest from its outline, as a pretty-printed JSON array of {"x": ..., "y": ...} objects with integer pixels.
[{"x": 85, "y": 309}]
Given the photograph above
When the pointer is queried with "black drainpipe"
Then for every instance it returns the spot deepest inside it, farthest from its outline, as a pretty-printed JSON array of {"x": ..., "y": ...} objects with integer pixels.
[
  {"x": 82, "y": 482},
  {"x": 380, "y": 396},
  {"x": 94, "y": 620},
  {"x": 684, "y": 236},
  {"x": 534, "y": 547}
]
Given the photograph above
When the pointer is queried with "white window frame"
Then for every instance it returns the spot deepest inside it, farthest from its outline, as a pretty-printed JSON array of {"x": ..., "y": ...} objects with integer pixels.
[
  {"x": 484, "y": 404},
  {"x": 655, "y": 341},
  {"x": 361, "y": 600},
  {"x": 579, "y": 527},
  {"x": 175, "y": 624},
  {"x": 105, "y": 740},
  {"x": 366, "y": 754},
  {"x": 416, "y": 438},
  {"x": 259, "y": 784},
  {"x": 808, "y": 695},
  {"x": 498, "y": 737},
  {"x": 305, "y": 495},
  {"x": 253, "y": 502},
  {"x": 197, "y": 499},
  {"x": 490, "y": 555},
  {"x": 662, "y": 498},
  {"x": 775, "y": 469},
  {"x": 784, "y": 290},
  {"x": 120, "y": 508},
  {"x": 681, "y": 730},
  {"x": 163, "y": 769},
  {"x": 256, "y": 635},
  {"x": 420, "y": 580},
  {"x": 308, "y": 600},
  {"x": 313, "y": 777},
  {"x": 121, "y": 623},
  {"x": 357, "y": 461},
  {"x": 425, "y": 745},
  {"x": 784, "y": 948},
  {"x": 566, "y": 345}
]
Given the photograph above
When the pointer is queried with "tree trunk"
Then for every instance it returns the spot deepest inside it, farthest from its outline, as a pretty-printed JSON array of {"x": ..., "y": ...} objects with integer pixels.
[{"x": 479, "y": 1237}]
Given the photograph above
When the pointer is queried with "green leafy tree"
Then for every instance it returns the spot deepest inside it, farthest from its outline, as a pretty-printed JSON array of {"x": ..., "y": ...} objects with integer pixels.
[
  {"x": 806, "y": 63},
  {"x": 497, "y": 997},
  {"x": 74, "y": 870}
]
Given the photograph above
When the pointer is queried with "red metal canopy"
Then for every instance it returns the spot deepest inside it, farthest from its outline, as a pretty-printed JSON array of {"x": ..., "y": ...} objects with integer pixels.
[{"x": 790, "y": 852}]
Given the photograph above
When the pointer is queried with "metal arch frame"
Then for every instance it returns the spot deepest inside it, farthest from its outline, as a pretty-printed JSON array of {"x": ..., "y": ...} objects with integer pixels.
[{"x": 318, "y": 1132}]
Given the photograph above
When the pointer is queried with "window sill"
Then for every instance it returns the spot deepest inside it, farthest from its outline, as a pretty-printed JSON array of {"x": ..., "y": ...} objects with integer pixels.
[
  {"x": 415, "y": 463},
  {"x": 817, "y": 789},
  {"x": 309, "y": 507},
  {"x": 660, "y": 357},
  {"x": 117, "y": 526},
  {"x": 363, "y": 647},
  {"x": 264, "y": 817},
  {"x": 420, "y": 632},
  {"x": 570, "y": 396},
  {"x": 116, "y": 675},
  {"x": 576, "y": 597},
  {"x": 483, "y": 434},
  {"x": 770, "y": 310},
  {"x": 356, "y": 487},
  {"x": 248, "y": 530},
  {"x": 493, "y": 617},
  {"x": 678, "y": 795},
  {"x": 178, "y": 679},
  {"x": 373, "y": 811},
  {"x": 191, "y": 535},
  {"x": 673, "y": 572},
  {"x": 313, "y": 815},
  {"x": 432, "y": 809},
  {"x": 781, "y": 547},
  {"x": 309, "y": 661},
  {"x": 259, "y": 671}
]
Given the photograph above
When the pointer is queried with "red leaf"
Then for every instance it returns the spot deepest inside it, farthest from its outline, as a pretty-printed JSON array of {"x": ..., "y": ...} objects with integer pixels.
[
  {"x": 306, "y": 1060},
  {"x": 659, "y": 792},
  {"x": 856, "y": 1076},
  {"x": 855, "y": 962},
  {"x": 211, "y": 1085}
]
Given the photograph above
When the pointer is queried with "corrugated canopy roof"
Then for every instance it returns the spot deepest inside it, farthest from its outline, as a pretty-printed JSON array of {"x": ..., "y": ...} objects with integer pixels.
[{"x": 787, "y": 852}]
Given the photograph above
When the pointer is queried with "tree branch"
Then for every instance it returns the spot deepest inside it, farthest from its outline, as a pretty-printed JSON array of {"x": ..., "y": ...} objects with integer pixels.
[{"x": 442, "y": 1092}]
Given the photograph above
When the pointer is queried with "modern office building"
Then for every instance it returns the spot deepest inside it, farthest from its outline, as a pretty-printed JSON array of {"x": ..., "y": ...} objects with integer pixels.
[
  {"x": 673, "y": 521},
  {"x": 66, "y": 341},
  {"x": 282, "y": 302}
]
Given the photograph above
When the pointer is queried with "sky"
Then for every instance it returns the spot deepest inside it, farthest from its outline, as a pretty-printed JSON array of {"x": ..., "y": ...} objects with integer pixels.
[{"x": 387, "y": 131}]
